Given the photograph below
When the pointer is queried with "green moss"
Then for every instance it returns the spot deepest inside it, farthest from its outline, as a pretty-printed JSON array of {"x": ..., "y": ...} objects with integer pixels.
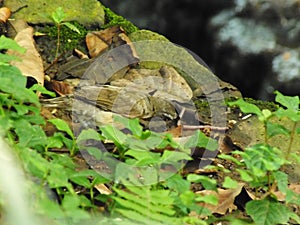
[
  {"x": 112, "y": 19},
  {"x": 69, "y": 39},
  {"x": 259, "y": 103},
  {"x": 263, "y": 104}
]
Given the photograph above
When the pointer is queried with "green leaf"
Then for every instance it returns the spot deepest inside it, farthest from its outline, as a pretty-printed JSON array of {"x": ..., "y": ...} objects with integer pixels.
[
  {"x": 294, "y": 216},
  {"x": 209, "y": 199},
  {"x": 81, "y": 180},
  {"x": 267, "y": 212},
  {"x": 54, "y": 141},
  {"x": 132, "y": 124},
  {"x": 89, "y": 134},
  {"x": 245, "y": 176},
  {"x": 7, "y": 43},
  {"x": 231, "y": 158},
  {"x": 58, "y": 15},
  {"x": 261, "y": 158},
  {"x": 177, "y": 183},
  {"x": 199, "y": 139},
  {"x": 30, "y": 135},
  {"x": 34, "y": 163},
  {"x": 229, "y": 183},
  {"x": 71, "y": 27},
  {"x": 5, "y": 59},
  {"x": 62, "y": 126},
  {"x": 174, "y": 156},
  {"x": 274, "y": 129},
  {"x": 52, "y": 209},
  {"x": 282, "y": 181},
  {"x": 289, "y": 102},
  {"x": 115, "y": 135},
  {"x": 246, "y": 107},
  {"x": 11, "y": 75},
  {"x": 42, "y": 90},
  {"x": 143, "y": 157},
  {"x": 58, "y": 177},
  {"x": 208, "y": 183},
  {"x": 291, "y": 114},
  {"x": 96, "y": 152},
  {"x": 70, "y": 201}
]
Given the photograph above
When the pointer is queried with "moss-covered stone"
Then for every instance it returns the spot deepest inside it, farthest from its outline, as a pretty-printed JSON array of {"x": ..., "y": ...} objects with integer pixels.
[
  {"x": 36, "y": 11},
  {"x": 142, "y": 35},
  {"x": 112, "y": 19},
  {"x": 155, "y": 50}
]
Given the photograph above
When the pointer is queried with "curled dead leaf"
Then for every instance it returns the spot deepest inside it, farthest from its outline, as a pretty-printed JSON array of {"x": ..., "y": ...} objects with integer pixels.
[
  {"x": 59, "y": 87},
  {"x": 225, "y": 199},
  {"x": 5, "y": 13},
  {"x": 98, "y": 41},
  {"x": 31, "y": 64}
]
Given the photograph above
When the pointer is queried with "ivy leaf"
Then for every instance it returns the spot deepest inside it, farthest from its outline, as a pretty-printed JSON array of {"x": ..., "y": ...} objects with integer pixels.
[
  {"x": 247, "y": 107},
  {"x": 289, "y": 102},
  {"x": 291, "y": 114},
  {"x": 267, "y": 212}
]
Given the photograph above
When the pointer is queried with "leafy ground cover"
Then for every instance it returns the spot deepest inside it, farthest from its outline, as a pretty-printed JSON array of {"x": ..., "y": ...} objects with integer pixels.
[{"x": 146, "y": 181}]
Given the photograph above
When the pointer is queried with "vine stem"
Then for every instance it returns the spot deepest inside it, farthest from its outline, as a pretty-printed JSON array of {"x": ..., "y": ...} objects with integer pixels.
[
  {"x": 58, "y": 40},
  {"x": 291, "y": 140}
]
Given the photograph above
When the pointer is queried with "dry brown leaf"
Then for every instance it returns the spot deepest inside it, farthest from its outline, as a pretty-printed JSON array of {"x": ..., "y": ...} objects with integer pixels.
[
  {"x": 98, "y": 41},
  {"x": 59, "y": 87},
  {"x": 103, "y": 189},
  {"x": 4, "y": 14},
  {"x": 176, "y": 131},
  {"x": 225, "y": 199},
  {"x": 31, "y": 64}
]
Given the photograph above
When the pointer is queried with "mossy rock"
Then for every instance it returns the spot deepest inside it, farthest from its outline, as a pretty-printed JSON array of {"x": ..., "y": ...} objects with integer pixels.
[
  {"x": 36, "y": 11},
  {"x": 142, "y": 35},
  {"x": 156, "y": 50}
]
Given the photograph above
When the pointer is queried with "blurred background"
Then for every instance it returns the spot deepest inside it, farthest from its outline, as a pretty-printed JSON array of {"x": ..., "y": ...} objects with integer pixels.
[{"x": 252, "y": 44}]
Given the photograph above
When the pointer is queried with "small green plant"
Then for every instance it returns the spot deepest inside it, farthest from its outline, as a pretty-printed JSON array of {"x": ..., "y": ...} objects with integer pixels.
[
  {"x": 261, "y": 164},
  {"x": 58, "y": 17}
]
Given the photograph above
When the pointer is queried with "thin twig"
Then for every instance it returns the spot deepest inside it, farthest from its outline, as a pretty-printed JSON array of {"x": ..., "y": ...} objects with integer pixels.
[{"x": 196, "y": 127}]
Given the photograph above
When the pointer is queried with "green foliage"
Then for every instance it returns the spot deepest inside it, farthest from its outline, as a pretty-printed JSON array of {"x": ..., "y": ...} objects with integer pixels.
[
  {"x": 147, "y": 185},
  {"x": 112, "y": 19},
  {"x": 262, "y": 163},
  {"x": 143, "y": 204},
  {"x": 267, "y": 211},
  {"x": 21, "y": 125}
]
